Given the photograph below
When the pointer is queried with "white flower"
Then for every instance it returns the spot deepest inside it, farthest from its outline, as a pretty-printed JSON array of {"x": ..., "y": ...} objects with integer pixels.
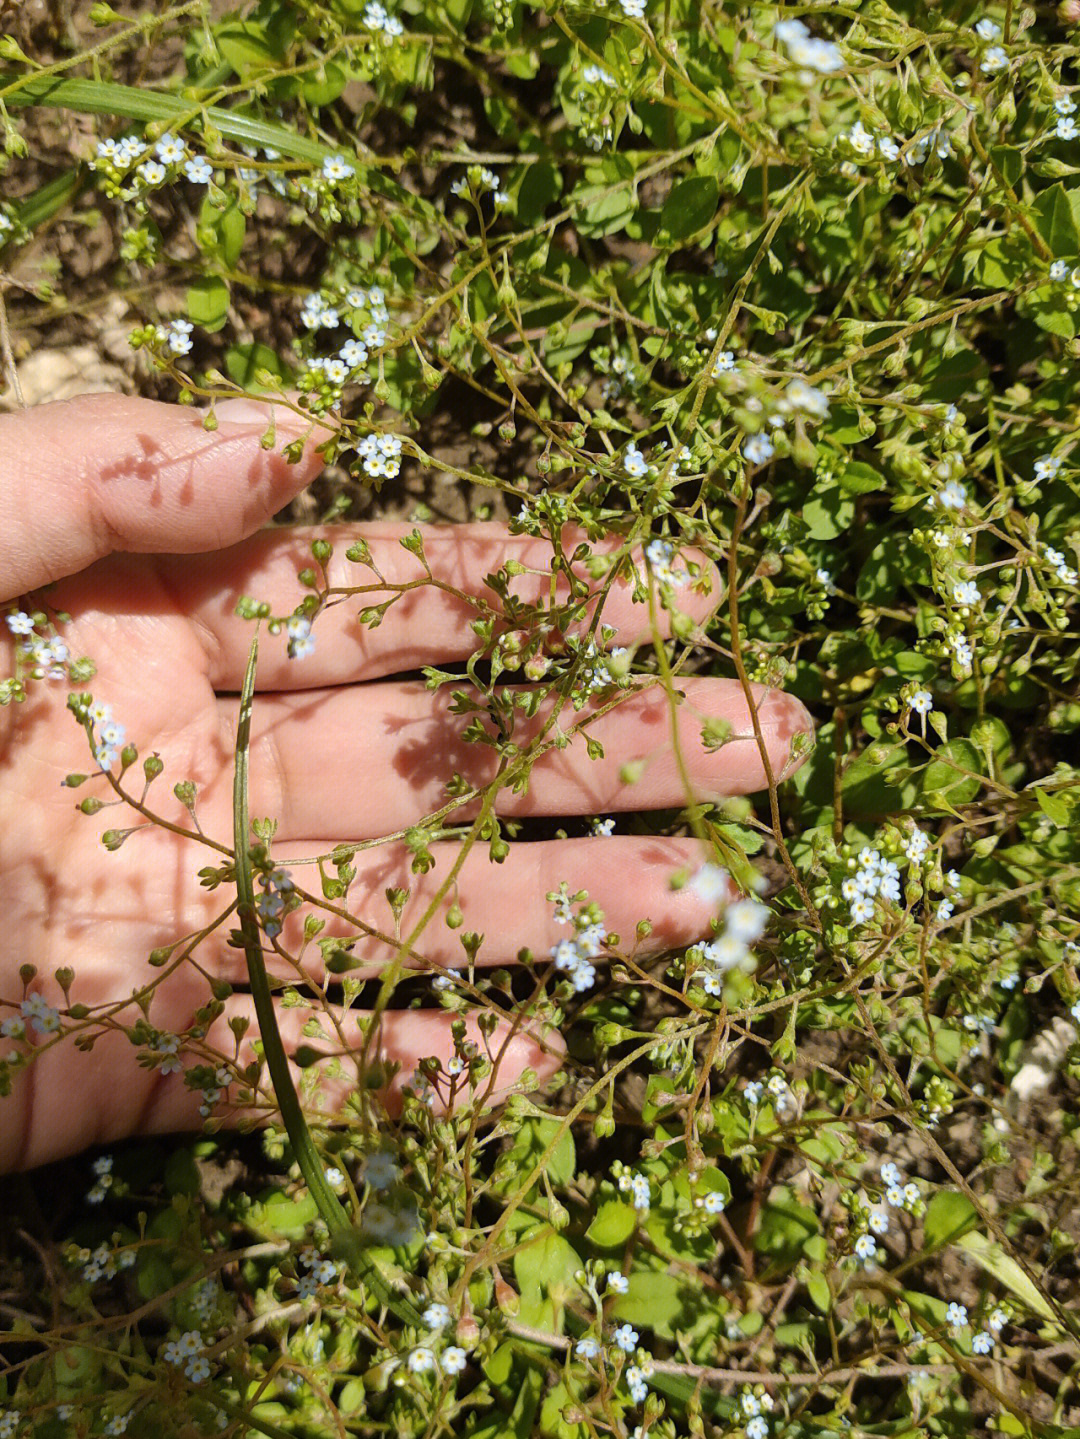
[
  {"x": 711, "y": 884},
  {"x": 618, "y": 1283},
  {"x": 129, "y": 150},
  {"x": 177, "y": 337},
  {"x": 152, "y": 171},
  {"x": 966, "y": 593},
  {"x": 42, "y": 1017},
  {"x": 626, "y": 1337},
  {"x": 808, "y": 399},
  {"x": 336, "y": 167},
  {"x": 804, "y": 49},
  {"x": 724, "y": 362},
  {"x": 453, "y": 1360},
  {"x": 635, "y": 1382},
  {"x": 861, "y": 910},
  {"x": 982, "y": 1343},
  {"x": 916, "y": 845},
  {"x": 922, "y": 702},
  {"x": 1047, "y": 466},
  {"x": 746, "y": 919},
  {"x": 381, "y": 455},
  {"x": 199, "y": 170},
  {"x": 170, "y": 150},
  {"x": 376, "y": 18},
  {"x": 956, "y": 1315},
  {"x": 953, "y": 496},
  {"x": 436, "y": 1316},
  {"x": 987, "y": 30},
  {"x": 860, "y": 139},
  {"x": 725, "y": 952},
  {"x": 758, "y": 448},
  {"x": 890, "y": 888},
  {"x": 994, "y": 60},
  {"x": 353, "y": 353},
  {"x": 380, "y": 1170},
  {"x": 866, "y": 1246},
  {"x": 421, "y": 1360},
  {"x": 634, "y": 462}
]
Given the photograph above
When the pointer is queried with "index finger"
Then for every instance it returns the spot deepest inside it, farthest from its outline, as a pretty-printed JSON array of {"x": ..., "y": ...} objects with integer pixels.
[{"x": 428, "y": 624}]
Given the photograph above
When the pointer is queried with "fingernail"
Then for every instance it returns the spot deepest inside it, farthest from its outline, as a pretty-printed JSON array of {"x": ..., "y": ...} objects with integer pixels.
[
  {"x": 250, "y": 412},
  {"x": 800, "y": 737},
  {"x": 801, "y": 718}
]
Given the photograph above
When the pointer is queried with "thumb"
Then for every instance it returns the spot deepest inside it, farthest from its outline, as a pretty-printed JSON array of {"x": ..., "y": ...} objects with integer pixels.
[{"x": 84, "y": 478}]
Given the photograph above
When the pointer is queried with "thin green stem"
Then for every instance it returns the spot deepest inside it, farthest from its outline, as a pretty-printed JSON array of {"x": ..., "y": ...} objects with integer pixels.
[{"x": 345, "y": 1240}]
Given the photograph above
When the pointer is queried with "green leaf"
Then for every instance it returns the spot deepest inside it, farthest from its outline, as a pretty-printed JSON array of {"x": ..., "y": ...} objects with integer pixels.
[
  {"x": 562, "y": 1397},
  {"x": 100, "y": 97},
  {"x": 829, "y": 512},
  {"x": 997, "y": 264},
  {"x": 1054, "y": 319},
  {"x": 208, "y": 302},
  {"x": 860, "y": 479},
  {"x": 325, "y": 86},
  {"x": 1053, "y": 806},
  {"x": 242, "y": 363},
  {"x": 942, "y": 776},
  {"x": 544, "y": 1268},
  {"x": 604, "y": 210},
  {"x": 785, "y": 1227},
  {"x": 44, "y": 202},
  {"x": 1010, "y": 162},
  {"x": 991, "y": 1257},
  {"x": 530, "y": 1144},
  {"x": 689, "y": 207},
  {"x": 660, "y": 1302},
  {"x": 232, "y": 227},
  {"x": 817, "y": 1286},
  {"x": 614, "y": 1223},
  {"x": 1055, "y": 212},
  {"x": 227, "y": 227},
  {"x": 949, "y": 1215},
  {"x": 893, "y": 563},
  {"x": 246, "y": 48},
  {"x": 540, "y": 188}
]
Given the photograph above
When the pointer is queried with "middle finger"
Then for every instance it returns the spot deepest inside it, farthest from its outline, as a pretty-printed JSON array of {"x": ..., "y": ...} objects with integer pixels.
[
  {"x": 424, "y": 625},
  {"x": 368, "y": 760}
]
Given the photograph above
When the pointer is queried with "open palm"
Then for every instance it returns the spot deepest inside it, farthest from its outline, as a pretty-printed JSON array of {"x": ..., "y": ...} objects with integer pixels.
[{"x": 146, "y": 530}]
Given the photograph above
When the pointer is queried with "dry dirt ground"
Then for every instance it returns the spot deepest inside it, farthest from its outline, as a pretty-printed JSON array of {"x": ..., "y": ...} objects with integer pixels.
[{"x": 76, "y": 341}]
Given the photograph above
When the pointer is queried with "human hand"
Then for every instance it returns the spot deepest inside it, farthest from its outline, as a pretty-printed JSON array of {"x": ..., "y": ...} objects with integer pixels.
[{"x": 148, "y": 526}]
